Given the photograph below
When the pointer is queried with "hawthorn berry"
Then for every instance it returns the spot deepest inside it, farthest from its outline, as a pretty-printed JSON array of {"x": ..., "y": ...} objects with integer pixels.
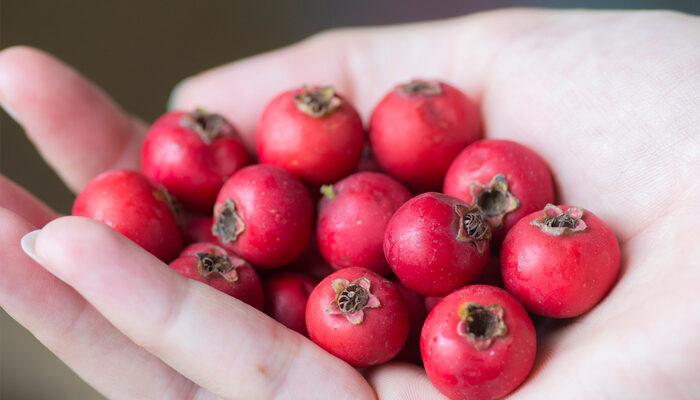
[
  {"x": 192, "y": 154},
  {"x": 265, "y": 215},
  {"x": 285, "y": 299},
  {"x": 312, "y": 132},
  {"x": 506, "y": 179},
  {"x": 128, "y": 203},
  {"x": 435, "y": 243},
  {"x": 560, "y": 262},
  {"x": 419, "y": 128},
  {"x": 358, "y": 316},
  {"x": 352, "y": 216},
  {"x": 228, "y": 273},
  {"x": 478, "y": 343}
]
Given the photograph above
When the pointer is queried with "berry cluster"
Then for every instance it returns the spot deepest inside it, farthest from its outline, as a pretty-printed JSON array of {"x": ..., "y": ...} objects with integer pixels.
[{"x": 384, "y": 267}]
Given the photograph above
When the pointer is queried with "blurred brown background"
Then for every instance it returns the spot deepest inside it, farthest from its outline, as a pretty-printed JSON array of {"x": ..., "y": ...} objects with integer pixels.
[{"x": 137, "y": 51}]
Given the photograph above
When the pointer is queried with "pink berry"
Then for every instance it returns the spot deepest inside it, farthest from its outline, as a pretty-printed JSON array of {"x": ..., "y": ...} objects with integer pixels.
[
  {"x": 128, "y": 203},
  {"x": 198, "y": 229},
  {"x": 478, "y": 343},
  {"x": 312, "y": 132},
  {"x": 352, "y": 217},
  {"x": 417, "y": 313},
  {"x": 213, "y": 265},
  {"x": 286, "y": 295},
  {"x": 435, "y": 244},
  {"x": 192, "y": 154},
  {"x": 358, "y": 316},
  {"x": 265, "y": 215},
  {"x": 506, "y": 179},
  {"x": 419, "y": 128},
  {"x": 560, "y": 262}
]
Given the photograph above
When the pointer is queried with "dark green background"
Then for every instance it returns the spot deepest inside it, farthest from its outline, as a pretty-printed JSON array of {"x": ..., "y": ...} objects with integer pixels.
[{"x": 137, "y": 51}]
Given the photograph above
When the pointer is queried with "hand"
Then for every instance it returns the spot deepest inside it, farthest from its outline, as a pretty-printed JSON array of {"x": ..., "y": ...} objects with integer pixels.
[{"x": 609, "y": 99}]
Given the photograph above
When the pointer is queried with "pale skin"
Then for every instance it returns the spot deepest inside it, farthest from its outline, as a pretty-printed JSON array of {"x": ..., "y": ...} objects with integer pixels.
[{"x": 610, "y": 99}]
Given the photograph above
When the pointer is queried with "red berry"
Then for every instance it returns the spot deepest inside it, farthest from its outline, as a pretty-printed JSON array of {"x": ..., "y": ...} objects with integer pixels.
[
  {"x": 265, "y": 215},
  {"x": 352, "y": 217},
  {"x": 358, "y": 316},
  {"x": 431, "y": 302},
  {"x": 128, "y": 203},
  {"x": 478, "y": 343},
  {"x": 198, "y": 229},
  {"x": 311, "y": 263},
  {"x": 419, "y": 128},
  {"x": 286, "y": 295},
  {"x": 211, "y": 264},
  {"x": 312, "y": 132},
  {"x": 435, "y": 244},
  {"x": 191, "y": 154},
  {"x": 560, "y": 262},
  {"x": 417, "y": 313},
  {"x": 506, "y": 179}
]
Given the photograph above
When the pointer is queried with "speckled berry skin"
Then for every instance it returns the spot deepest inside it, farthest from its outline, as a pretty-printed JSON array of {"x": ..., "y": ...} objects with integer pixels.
[
  {"x": 192, "y": 166},
  {"x": 560, "y": 276},
  {"x": 274, "y": 216},
  {"x": 415, "y": 137},
  {"x": 317, "y": 149},
  {"x": 128, "y": 203},
  {"x": 286, "y": 295},
  {"x": 247, "y": 286},
  {"x": 377, "y": 339},
  {"x": 198, "y": 229},
  {"x": 527, "y": 176},
  {"x": 352, "y": 218},
  {"x": 422, "y": 248},
  {"x": 462, "y": 370}
]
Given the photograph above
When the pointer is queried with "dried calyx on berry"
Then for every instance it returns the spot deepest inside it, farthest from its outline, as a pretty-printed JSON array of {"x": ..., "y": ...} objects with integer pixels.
[
  {"x": 494, "y": 199},
  {"x": 481, "y": 324},
  {"x": 317, "y": 101},
  {"x": 328, "y": 192},
  {"x": 557, "y": 222},
  {"x": 212, "y": 263},
  {"x": 228, "y": 224},
  {"x": 208, "y": 126},
  {"x": 419, "y": 87},
  {"x": 473, "y": 227},
  {"x": 351, "y": 298}
]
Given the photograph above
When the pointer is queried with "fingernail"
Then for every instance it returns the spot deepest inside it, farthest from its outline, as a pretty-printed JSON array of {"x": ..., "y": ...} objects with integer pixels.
[{"x": 28, "y": 243}]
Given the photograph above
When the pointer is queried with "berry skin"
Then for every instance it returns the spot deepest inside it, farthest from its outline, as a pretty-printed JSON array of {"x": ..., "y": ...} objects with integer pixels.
[
  {"x": 265, "y": 215},
  {"x": 128, "y": 203},
  {"x": 352, "y": 217},
  {"x": 213, "y": 265},
  {"x": 286, "y": 295},
  {"x": 311, "y": 263},
  {"x": 431, "y": 302},
  {"x": 506, "y": 179},
  {"x": 312, "y": 132},
  {"x": 560, "y": 262},
  {"x": 198, "y": 229},
  {"x": 417, "y": 313},
  {"x": 419, "y": 128},
  {"x": 435, "y": 244},
  {"x": 192, "y": 154},
  {"x": 478, "y": 343},
  {"x": 358, "y": 316}
]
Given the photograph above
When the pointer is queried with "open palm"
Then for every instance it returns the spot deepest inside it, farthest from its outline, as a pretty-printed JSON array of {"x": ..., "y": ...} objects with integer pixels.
[{"x": 610, "y": 99}]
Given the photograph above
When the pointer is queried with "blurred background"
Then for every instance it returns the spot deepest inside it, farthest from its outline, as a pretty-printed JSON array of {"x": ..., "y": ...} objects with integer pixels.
[{"x": 137, "y": 51}]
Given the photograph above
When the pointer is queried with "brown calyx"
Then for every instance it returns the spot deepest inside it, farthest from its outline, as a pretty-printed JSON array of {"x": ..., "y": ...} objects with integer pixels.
[
  {"x": 317, "y": 102},
  {"x": 353, "y": 298},
  {"x": 208, "y": 126},
  {"x": 481, "y": 324},
  {"x": 473, "y": 227},
  {"x": 419, "y": 87},
  {"x": 210, "y": 263},
  {"x": 228, "y": 224}
]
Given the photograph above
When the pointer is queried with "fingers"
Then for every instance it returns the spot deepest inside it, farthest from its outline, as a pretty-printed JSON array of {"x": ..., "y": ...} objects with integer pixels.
[
  {"x": 75, "y": 126},
  {"x": 65, "y": 323},
  {"x": 362, "y": 63},
  {"x": 402, "y": 381},
  {"x": 22, "y": 203},
  {"x": 215, "y": 340}
]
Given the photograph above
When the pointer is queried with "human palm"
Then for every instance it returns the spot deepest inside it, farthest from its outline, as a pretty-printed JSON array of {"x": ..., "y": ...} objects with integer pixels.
[{"x": 609, "y": 99}]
